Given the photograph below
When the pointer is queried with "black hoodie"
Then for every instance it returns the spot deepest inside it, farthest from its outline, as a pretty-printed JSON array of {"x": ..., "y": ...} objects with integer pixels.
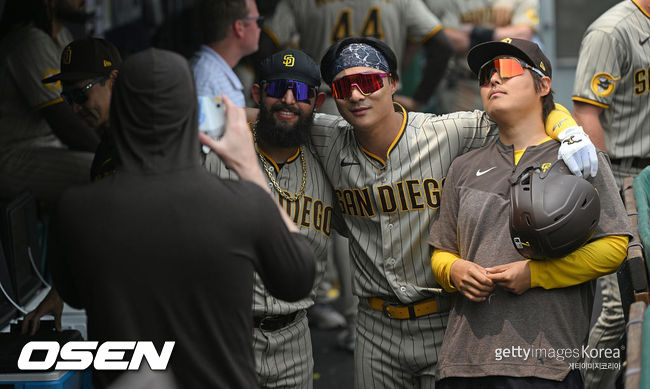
[{"x": 164, "y": 251}]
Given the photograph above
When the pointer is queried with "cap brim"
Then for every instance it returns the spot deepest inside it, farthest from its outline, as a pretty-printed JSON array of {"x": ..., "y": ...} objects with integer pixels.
[
  {"x": 480, "y": 54},
  {"x": 69, "y": 77}
]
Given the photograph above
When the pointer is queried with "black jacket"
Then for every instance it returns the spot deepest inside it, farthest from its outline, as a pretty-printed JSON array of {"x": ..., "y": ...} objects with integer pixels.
[{"x": 162, "y": 250}]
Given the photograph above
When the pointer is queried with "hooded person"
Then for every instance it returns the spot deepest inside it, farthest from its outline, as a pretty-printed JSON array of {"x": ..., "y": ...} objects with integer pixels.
[{"x": 162, "y": 250}]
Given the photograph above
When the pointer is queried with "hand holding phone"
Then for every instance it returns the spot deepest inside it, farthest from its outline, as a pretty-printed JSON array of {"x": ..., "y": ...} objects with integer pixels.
[{"x": 212, "y": 118}]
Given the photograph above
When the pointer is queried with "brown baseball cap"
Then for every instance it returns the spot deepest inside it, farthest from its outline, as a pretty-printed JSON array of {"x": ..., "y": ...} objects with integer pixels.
[
  {"x": 525, "y": 50},
  {"x": 86, "y": 58}
]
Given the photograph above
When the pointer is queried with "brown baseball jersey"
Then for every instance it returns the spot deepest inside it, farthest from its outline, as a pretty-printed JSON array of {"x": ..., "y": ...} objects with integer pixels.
[{"x": 474, "y": 223}]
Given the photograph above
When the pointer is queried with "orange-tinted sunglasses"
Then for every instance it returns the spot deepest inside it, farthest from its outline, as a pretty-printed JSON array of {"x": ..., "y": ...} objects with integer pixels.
[
  {"x": 366, "y": 83},
  {"x": 506, "y": 67}
]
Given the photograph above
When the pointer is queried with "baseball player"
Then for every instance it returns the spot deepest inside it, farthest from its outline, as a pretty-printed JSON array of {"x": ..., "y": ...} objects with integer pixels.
[
  {"x": 287, "y": 94},
  {"x": 387, "y": 168},
  {"x": 501, "y": 293},
  {"x": 320, "y": 23},
  {"x": 611, "y": 100}
]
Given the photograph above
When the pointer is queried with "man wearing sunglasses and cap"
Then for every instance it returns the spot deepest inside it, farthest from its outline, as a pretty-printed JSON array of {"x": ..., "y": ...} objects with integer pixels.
[
  {"x": 496, "y": 335},
  {"x": 44, "y": 147},
  {"x": 287, "y": 94},
  {"x": 387, "y": 167},
  {"x": 89, "y": 68}
]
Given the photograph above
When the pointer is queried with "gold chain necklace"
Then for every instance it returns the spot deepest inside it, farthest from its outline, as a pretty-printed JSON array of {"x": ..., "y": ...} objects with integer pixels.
[{"x": 284, "y": 193}]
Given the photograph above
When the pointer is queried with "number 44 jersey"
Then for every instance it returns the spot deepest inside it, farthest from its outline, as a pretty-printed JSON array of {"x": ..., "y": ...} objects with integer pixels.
[{"x": 319, "y": 23}]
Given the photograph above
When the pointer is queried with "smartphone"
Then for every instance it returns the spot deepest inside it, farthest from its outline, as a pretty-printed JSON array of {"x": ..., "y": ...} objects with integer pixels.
[{"x": 212, "y": 117}]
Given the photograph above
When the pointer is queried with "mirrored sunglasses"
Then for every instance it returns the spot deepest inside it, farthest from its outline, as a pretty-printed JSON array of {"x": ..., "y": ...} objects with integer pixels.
[
  {"x": 366, "y": 83},
  {"x": 505, "y": 67},
  {"x": 78, "y": 95},
  {"x": 301, "y": 91}
]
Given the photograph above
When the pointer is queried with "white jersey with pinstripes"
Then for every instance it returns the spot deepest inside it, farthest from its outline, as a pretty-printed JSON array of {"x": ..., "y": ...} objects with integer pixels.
[
  {"x": 614, "y": 73},
  {"x": 453, "y": 13},
  {"x": 388, "y": 204},
  {"x": 320, "y": 23},
  {"x": 312, "y": 214}
]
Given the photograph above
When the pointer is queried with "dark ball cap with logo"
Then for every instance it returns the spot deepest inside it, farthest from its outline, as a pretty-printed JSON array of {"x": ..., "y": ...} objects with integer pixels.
[
  {"x": 86, "y": 58},
  {"x": 523, "y": 49},
  {"x": 290, "y": 65}
]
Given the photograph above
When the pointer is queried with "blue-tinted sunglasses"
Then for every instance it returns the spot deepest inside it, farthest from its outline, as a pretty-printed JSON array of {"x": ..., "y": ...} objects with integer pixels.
[{"x": 301, "y": 91}]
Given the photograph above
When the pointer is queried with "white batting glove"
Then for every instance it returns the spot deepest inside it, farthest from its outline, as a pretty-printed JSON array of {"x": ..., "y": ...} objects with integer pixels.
[{"x": 578, "y": 152}]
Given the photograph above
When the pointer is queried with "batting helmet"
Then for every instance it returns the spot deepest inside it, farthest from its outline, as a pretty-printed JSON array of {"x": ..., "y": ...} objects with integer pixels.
[{"x": 552, "y": 212}]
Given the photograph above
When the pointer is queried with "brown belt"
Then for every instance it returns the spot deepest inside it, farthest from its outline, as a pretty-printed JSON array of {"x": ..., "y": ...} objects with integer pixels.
[{"x": 409, "y": 311}]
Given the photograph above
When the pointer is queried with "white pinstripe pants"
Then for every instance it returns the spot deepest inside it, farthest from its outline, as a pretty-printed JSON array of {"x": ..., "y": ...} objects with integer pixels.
[{"x": 393, "y": 353}]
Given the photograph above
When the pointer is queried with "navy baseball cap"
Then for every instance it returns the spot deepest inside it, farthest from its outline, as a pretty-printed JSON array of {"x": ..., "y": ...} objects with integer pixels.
[
  {"x": 523, "y": 49},
  {"x": 86, "y": 58},
  {"x": 290, "y": 65}
]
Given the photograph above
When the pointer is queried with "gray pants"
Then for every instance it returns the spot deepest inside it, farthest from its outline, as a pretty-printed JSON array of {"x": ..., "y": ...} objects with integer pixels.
[
  {"x": 45, "y": 170},
  {"x": 283, "y": 358},
  {"x": 397, "y": 354}
]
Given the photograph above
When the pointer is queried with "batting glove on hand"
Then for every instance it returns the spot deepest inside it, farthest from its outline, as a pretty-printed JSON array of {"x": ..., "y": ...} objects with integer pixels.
[{"x": 577, "y": 151}]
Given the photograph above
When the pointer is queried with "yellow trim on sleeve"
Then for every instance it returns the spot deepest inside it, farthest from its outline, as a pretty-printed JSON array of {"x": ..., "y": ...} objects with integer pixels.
[
  {"x": 587, "y": 101},
  {"x": 441, "y": 262},
  {"x": 558, "y": 120},
  {"x": 55, "y": 101},
  {"x": 598, "y": 258},
  {"x": 429, "y": 35}
]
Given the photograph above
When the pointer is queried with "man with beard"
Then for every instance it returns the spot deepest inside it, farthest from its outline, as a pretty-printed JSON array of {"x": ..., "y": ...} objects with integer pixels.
[
  {"x": 287, "y": 94},
  {"x": 44, "y": 146}
]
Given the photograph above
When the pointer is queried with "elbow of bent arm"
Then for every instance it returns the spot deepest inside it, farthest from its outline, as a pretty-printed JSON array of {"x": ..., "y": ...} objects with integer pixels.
[{"x": 295, "y": 279}]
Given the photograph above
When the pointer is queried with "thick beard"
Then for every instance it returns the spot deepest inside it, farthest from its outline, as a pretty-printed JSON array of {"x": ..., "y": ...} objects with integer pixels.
[
  {"x": 64, "y": 11},
  {"x": 275, "y": 134}
]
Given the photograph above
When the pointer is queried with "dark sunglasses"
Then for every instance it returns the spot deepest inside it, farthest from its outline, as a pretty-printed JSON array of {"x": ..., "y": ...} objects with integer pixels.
[
  {"x": 78, "y": 95},
  {"x": 506, "y": 67},
  {"x": 301, "y": 91},
  {"x": 366, "y": 83},
  {"x": 258, "y": 19}
]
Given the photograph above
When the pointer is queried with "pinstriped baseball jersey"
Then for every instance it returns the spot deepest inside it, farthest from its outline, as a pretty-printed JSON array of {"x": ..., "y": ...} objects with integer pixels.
[
  {"x": 312, "y": 213},
  {"x": 27, "y": 56},
  {"x": 322, "y": 22},
  {"x": 388, "y": 207},
  {"x": 614, "y": 73},
  {"x": 455, "y": 12}
]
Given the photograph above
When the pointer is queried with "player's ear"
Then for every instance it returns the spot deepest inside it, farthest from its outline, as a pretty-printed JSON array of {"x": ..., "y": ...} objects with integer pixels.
[
  {"x": 256, "y": 93},
  {"x": 112, "y": 76},
  {"x": 320, "y": 99},
  {"x": 544, "y": 86},
  {"x": 393, "y": 86}
]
